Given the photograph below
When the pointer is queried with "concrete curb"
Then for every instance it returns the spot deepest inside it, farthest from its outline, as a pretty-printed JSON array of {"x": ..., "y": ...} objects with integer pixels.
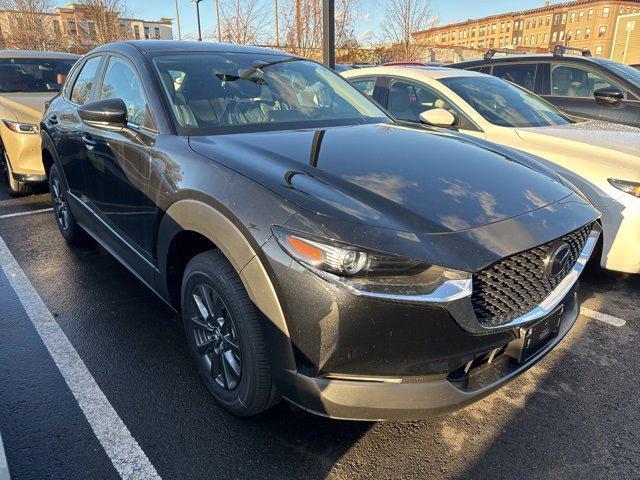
[{"x": 4, "y": 467}]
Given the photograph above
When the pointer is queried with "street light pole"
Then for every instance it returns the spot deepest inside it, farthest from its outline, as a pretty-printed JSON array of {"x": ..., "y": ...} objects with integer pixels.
[
  {"x": 178, "y": 21},
  {"x": 275, "y": 2},
  {"x": 328, "y": 33},
  {"x": 197, "y": 3}
]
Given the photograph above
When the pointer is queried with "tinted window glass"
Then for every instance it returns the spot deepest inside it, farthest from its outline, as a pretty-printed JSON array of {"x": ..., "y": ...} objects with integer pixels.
[
  {"x": 33, "y": 74},
  {"x": 121, "y": 81},
  {"x": 365, "y": 85},
  {"x": 505, "y": 105},
  {"x": 629, "y": 73},
  {"x": 577, "y": 82},
  {"x": 522, "y": 74},
  {"x": 407, "y": 100},
  {"x": 248, "y": 91},
  {"x": 84, "y": 82}
]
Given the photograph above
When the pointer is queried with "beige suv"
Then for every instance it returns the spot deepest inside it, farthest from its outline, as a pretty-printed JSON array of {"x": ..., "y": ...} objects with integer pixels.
[{"x": 27, "y": 80}]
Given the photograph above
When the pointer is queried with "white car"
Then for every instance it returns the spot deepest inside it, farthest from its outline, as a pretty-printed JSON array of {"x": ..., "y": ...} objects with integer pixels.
[{"x": 601, "y": 159}]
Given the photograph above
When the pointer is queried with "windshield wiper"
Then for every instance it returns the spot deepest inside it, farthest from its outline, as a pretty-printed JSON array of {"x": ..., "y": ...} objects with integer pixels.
[{"x": 259, "y": 68}]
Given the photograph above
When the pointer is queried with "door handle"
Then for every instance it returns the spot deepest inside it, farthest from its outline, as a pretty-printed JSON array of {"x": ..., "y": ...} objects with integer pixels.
[
  {"x": 88, "y": 142},
  {"x": 53, "y": 119}
]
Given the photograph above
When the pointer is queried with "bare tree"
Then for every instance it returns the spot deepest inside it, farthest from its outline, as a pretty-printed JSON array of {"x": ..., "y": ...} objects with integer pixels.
[
  {"x": 103, "y": 24},
  {"x": 26, "y": 26},
  {"x": 244, "y": 21},
  {"x": 403, "y": 18}
]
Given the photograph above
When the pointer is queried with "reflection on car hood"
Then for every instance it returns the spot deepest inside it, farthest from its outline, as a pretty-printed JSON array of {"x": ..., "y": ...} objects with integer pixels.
[
  {"x": 26, "y": 107},
  {"x": 387, "y": 175},
  {"x": 615, "y": 145}
]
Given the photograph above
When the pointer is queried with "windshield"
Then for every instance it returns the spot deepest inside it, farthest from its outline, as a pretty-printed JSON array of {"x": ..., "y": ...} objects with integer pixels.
[
  {"x": 212, "y": 92},
  {"x": 33, "y": 74},
  {"x": 625, "y": 71},
  {"x": 503, "y": 104}
]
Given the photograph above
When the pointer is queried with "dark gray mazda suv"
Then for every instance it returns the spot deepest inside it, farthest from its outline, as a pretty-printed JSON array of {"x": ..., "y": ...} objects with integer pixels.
[{"x": 319, "y": 251}]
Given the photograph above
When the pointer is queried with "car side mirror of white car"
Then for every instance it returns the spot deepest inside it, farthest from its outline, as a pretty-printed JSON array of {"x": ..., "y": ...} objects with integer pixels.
[{"x": 438, "y": 117}]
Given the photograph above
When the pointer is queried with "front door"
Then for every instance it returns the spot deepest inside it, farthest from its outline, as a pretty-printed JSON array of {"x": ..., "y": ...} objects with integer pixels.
[{"x": 119, "y": 168}]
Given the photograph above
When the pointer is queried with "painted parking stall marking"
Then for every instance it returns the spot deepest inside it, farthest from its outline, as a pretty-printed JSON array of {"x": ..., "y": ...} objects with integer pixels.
[
  {"x": 4, "y": 467},
  {"x": 603, "y": 317},
  {"x": 21, "y": 214},
  {"x": 125, "y": 454}
]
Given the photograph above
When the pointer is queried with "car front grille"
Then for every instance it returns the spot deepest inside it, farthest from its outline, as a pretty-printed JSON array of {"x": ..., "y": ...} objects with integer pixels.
[{"x": 517, "y": 284}]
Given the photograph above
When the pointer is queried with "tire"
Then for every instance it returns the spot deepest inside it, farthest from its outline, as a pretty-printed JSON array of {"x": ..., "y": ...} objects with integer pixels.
[
  {"x": 69, "y": 227},
  {"x": 212, "y": 279},
  {"x": 14, "y": 187}
]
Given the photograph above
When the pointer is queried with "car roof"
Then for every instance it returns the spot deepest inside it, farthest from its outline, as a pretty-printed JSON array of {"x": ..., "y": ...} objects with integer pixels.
[
  {"x": 436, "y": 73},
  {"x": 528, "y": 58},
  {"x": 168, "y": 46},
  {"x": 36, "y": 54}
]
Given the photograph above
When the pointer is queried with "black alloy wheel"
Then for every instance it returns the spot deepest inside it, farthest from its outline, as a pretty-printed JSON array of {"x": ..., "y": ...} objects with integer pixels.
[{"x": 69, "y": 228}]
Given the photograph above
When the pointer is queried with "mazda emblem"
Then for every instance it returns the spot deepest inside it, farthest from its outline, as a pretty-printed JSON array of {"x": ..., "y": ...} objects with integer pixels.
[{"x": 557, "y": 262}]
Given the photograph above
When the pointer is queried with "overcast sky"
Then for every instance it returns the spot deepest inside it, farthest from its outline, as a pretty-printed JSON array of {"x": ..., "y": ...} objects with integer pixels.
[{"x": 371, "y": 12}]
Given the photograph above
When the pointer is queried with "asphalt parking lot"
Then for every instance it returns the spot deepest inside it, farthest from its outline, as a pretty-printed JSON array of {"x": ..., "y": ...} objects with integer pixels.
[{"x": 97, "y": 383}]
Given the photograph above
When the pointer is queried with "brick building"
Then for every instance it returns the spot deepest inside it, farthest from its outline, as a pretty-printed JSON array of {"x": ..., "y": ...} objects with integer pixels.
[
  {"x": 581, "y": 23},
  {"x": 75, "y": 27}
]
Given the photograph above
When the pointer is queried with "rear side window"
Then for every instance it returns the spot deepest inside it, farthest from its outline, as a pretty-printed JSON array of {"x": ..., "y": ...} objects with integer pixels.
[
  {"x": 84, "y": 82},
  {"x": 523, "y": 74}
]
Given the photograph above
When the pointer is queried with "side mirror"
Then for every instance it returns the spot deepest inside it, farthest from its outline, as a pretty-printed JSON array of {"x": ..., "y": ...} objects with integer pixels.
[
  {"x": 109, "y": 114},
  {"x": 438, "y": 117},
  {"x": 609, "y": 95}
]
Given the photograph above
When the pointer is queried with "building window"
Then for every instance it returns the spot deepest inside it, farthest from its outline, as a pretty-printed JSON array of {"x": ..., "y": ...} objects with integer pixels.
[
  {"x": 564, "y": 18},
  {"x": 493, "y": 28},
  {"x": 157, "y": 32},
  {"x": 535, "y": 23},
  {"x": 587, "y": 33},
  {"x": 146, "y": 32},
  {"x": 508, "y": 26},
  {"x": 572, "y": 17},
  {"x": 502, "y": 27},
  {"x": 554, "y": 37},
  {"x": 578, "y": 34},
  {"x": 621, "y": 10},
  {"x": 605, "y": 12},
  {"x": 71, "y": 27},
  {"x": 546, "y": 38},
  {"x": 580, "y": 15},
  {"x": 136, "y": 31},
  {"x": 590, "y": 14},
  {"x": 56, "y": 27},
  {"x": 602, "y": 31},
  {"x": 556, "y": 19},
  {"x": 538, "y": 39},
  {"x": 561, "y": 36},
  {"x": 598, "y": 49},
  {"x": 569, "y": 35},
  {"x": 548, "y": 20}
]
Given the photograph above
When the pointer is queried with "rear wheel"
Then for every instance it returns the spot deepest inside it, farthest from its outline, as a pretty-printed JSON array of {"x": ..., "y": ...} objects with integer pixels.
[
  {"x": 69, "y": 228},
  {"x": 14, "y": 187},
  {"x": 224, "y": 336}
]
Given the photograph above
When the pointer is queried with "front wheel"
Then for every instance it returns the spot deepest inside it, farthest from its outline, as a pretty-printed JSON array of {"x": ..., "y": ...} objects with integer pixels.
[
  {"x": 224, "y": 336},
  {"x": 15, "y": 187}
]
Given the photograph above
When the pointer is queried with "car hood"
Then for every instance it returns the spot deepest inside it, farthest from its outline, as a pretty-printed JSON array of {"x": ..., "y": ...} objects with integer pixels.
[
  {"x": 387, "y": 175},
  {"x": 610, "y": 144},
  {"x": 26, "y": 107}
]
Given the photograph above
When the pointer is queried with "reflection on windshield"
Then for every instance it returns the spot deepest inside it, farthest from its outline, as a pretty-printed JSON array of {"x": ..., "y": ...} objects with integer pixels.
[
  {"x": 505, "y": 105},
  {"x": 213, "y": 90},
  {"x": 33, "y": 74}
]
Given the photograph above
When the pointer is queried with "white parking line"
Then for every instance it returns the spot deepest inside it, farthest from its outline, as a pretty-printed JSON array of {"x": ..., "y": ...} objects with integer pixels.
[
  {"x": 603, "y": 317},
  {"x": 30, "y": 212},
  {"x": 4, "y": 466},
  {"x": 114, "y": 436}
]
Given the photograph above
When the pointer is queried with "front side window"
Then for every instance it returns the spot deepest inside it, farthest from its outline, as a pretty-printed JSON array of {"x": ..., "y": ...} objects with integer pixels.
[
  {"x": 523, "y": 74},
  {"x": 625, "y": 71},
  {"x": 577, "y": 82},
  {"x": 33, "y": 74},
  {"x": 84, "y": 82},
  {"x": 121, "y": 81},
  {"x": 505, "y": 105},
  {"x": 250, "y": 91}
]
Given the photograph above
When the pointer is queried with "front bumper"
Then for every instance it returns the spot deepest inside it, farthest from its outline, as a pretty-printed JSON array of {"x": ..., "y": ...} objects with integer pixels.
[
  {"x": 367, "y": 399},
  {"x": 621, "y": 235},
  {"x": 25, "y": 155}
]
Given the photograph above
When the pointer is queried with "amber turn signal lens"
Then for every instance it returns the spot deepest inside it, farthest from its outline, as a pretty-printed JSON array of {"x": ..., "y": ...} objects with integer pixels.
[{"x": 307, "y": 251}]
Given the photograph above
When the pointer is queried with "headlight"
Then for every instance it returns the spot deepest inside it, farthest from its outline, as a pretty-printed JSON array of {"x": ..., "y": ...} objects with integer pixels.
[
  {"x": 20, "y": 127},
  {"x": 632, "y": 188},
  {"x": 369, "y": 272}
]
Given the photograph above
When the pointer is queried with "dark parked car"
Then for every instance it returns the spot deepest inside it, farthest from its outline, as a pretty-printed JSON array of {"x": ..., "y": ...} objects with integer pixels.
[
  {"x": 637, "y": 67},
  {"x": 584, "y": 86},
  {"x": 317, "y": 250}
]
